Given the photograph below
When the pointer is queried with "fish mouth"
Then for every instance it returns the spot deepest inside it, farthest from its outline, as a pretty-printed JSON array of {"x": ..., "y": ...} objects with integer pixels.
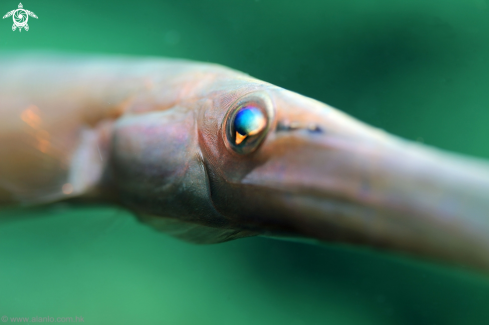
[{"x": 328, "y": 177}]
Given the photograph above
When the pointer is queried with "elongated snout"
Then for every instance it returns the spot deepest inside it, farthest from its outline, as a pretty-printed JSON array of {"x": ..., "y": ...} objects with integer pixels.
[{"x": 324, "y": 175}]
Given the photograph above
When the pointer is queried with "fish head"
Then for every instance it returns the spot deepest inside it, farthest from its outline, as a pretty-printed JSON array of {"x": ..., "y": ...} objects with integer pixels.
[{"x": 234, "y": 156}]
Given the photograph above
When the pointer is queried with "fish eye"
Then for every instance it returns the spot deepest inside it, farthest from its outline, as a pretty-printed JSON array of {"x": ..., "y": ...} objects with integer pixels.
[{"x": 247, "y": 123}]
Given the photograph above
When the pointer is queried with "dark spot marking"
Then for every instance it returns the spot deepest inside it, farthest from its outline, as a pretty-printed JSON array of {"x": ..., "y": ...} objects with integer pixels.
[
  {"x": 292, "y": 126},
  {"x": 314, "y": 129}
]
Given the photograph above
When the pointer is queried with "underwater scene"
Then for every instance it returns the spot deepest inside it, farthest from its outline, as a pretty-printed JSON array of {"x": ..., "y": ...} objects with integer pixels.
[{"x": 417, "y": 69}]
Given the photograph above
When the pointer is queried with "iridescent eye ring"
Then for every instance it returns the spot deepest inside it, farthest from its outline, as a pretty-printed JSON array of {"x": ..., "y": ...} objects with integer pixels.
[{"x": 247, "y": 122}]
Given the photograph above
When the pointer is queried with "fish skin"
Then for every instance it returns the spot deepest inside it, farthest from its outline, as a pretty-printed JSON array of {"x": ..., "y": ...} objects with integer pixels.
[{"x": 149, "y": 134}]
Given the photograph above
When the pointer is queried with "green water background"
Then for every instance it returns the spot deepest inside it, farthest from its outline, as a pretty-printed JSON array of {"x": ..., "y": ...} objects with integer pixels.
[{"x": 417, "y": 68}]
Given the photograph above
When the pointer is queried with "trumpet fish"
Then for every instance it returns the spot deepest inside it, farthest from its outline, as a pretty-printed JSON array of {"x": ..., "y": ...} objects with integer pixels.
[{"x": 209, "y": 154}]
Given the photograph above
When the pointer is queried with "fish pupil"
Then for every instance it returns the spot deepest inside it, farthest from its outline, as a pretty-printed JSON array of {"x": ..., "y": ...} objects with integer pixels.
[{"x": 249, "y": 120}]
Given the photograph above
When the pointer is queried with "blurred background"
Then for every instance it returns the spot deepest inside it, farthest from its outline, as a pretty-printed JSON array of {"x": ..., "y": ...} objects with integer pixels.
[{"x": 416, "y": 68}]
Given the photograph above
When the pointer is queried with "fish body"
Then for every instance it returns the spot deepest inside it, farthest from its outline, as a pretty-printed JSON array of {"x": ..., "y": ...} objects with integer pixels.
[{"x": 209, "y": 154}]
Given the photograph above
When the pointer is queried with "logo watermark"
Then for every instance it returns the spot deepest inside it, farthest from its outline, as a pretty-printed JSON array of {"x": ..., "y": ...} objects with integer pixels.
[
  {"x": 39, "y": 319},
  {"x": 20, "y": 17}
]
